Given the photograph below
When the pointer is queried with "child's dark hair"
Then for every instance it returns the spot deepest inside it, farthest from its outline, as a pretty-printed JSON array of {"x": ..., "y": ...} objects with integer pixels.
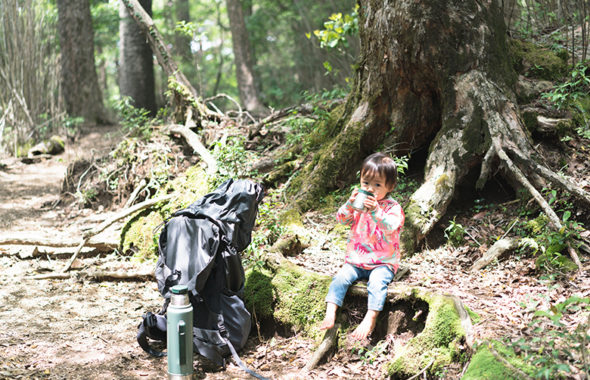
[{"x": 382, "y": 165}]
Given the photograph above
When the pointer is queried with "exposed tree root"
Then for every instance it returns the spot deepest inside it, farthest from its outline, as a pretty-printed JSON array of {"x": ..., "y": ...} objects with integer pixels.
[
  {"x": 490, "y": 126},
  {"x": 329, "y": 342},
  {"x": 193, "y": 140},
  {"x": 506, "y": 363},
  {"x": 563, "y": 182},
  {"x": 494, "y": 252}
]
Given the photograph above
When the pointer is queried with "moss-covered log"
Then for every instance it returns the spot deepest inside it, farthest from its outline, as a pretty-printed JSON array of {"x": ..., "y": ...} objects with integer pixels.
[{"x": 288, "y": 296}]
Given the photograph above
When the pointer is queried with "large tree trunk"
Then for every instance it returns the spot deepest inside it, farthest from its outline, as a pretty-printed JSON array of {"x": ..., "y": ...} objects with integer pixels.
[
  {"x": 247, "y": 79},
  {"x": 438, "y": 73},
  {"x": 136, "y": 65},
  {"x": 81, "y": 92}
]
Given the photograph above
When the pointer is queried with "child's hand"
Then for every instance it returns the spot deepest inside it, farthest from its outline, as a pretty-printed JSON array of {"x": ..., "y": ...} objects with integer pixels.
[
  {"x": 371, "y": 203},
  {"x": 353, "y": 195}
]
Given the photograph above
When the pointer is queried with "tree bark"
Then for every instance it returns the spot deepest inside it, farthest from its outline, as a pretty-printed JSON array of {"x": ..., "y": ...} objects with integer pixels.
[
  {"x": 431, "y": 73},
  {"x": 243, "y": 57},
  {"x": 79, "y": 81},
  {"x": 182, "y": 41},
  {"x": 136, "y": 65}
]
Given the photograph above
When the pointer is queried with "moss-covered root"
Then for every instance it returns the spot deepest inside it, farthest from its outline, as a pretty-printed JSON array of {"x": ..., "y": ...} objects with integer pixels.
[
  {"x": 140, "y": 234},
  {"x": 438, "y": 345},
  {"x": 291, "y": 297},
  {"x": 496, "y": 361}
]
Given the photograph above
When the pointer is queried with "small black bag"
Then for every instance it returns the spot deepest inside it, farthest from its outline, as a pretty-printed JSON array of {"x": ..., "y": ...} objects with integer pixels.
[{"x": 200, "y": 247}]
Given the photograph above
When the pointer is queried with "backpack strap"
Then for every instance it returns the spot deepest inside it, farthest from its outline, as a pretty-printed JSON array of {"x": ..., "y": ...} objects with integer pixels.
[
  {"x": 223, "y": 333},
  {"x": 153, "y": 326}
]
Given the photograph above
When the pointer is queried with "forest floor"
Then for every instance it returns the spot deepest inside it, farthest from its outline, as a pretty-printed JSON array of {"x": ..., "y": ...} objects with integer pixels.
[{"x": 78, "y": 328}]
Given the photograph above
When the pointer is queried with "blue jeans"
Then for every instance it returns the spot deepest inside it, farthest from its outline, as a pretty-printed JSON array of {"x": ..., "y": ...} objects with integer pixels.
[{"x": 378, "y": 277}]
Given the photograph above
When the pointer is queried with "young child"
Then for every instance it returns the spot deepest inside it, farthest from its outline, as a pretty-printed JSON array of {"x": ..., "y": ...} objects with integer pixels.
[{"x": 373, "y": 250}]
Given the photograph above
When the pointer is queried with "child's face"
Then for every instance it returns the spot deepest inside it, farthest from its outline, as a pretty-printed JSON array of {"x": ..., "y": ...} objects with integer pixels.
[{"x": 376, "y": 185}]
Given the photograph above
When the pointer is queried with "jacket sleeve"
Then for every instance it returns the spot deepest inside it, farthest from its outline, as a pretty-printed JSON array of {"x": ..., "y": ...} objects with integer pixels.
[
  {"x": 389, "y": 218},
  {"x": 345, "y": 214}
]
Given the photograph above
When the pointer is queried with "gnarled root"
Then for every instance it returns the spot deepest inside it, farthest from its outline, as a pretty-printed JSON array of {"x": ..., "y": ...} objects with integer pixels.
[{"x": 489, "y": 126}]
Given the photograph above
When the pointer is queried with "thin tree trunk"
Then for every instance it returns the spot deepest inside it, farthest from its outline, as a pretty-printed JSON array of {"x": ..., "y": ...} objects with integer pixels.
[
  {"x": 247, "y": 79},
  {"x": 182, "y": 41}
]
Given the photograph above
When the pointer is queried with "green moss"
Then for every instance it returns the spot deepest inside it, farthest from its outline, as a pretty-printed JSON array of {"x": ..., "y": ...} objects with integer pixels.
[
  {"x": 139, "y": 236},
  {"x": 299, "y": 298},
  {"x": 484, "y": 365},
  {"x": 529, "y": 118},
  {"x": 475, "y": 318},
  {"x": 138, "y": 232},
  {"x": 438, "y": 343},
  {"x": 291, "y": 218},
  {"x": 313, "y": 183},
  {"x": 327, "y": 128},
  {"x": 536, "y": 62},
  {"x": 259, "y": 294}
]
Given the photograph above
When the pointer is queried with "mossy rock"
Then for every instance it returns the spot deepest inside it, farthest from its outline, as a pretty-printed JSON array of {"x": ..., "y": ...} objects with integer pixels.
[
  {"x": 485, "y": 366},
  {"x": 528, "y": 89},
  {"x": 536, "y": 62},
  {"x": 54, "y": 145},
  {"x": 139, "y": 235},
  {"x": 440, "y": 342}
]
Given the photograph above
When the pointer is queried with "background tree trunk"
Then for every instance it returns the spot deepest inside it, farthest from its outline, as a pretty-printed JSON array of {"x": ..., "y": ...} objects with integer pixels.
[
  {"x": 182, "y": 41},
  {"x": 82, "y": 96},
  {"x": 136, "y": 65},
  {"x": 247, "y": 80},
  {"x": 436, "y": 72}
]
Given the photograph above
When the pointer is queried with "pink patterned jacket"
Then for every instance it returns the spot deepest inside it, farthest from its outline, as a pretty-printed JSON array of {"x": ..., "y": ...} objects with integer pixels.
[{"x": 374, "y": 236}]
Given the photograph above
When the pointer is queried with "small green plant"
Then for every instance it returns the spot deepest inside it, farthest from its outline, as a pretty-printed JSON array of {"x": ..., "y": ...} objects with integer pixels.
[
  {"x": 368, "y": 355},
  {"x": 135, "y": 121},
  {"x": 556, "y": 349},
  {"x": 576, "y": 87},
  {"x": 267, "y": 231},
  {"x": 550, "y": 245},
  {"x": 336, "y": 32},
  {"x": 455, "y": 233},
  {"x": 231, "y": 156}
]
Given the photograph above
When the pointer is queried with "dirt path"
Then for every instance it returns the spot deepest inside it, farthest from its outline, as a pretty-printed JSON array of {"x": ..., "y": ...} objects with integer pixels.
[{"x": 82, "y": 329}]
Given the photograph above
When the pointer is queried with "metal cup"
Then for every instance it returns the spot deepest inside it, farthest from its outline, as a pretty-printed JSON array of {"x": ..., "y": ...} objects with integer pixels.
[{"x": 359, "y": 201}]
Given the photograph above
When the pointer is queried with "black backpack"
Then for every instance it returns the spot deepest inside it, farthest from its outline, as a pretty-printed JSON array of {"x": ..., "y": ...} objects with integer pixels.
[{"x": 200, "y": 247}]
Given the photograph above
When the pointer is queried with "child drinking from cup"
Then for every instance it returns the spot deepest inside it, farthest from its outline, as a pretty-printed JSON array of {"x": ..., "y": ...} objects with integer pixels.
[{"x": 373, "y": 250}]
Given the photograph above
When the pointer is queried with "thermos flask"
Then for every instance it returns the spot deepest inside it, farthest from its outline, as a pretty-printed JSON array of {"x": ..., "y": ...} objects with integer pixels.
[
  {"x": 180, "y": 335},
  {"x": 359, "y": 200}
]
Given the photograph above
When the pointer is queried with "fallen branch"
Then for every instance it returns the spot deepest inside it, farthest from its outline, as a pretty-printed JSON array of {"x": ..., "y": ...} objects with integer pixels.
[
  {"x": 104, "y": 225},
  {"x": 61, "y": 243},
  {"x": 193, "y": 140},
  {"x": 328, "y": 343},
  {"x": 303, "y": 109},
  {"x": 97, "y": 276},
  {"x": 495, "y": 251}
]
